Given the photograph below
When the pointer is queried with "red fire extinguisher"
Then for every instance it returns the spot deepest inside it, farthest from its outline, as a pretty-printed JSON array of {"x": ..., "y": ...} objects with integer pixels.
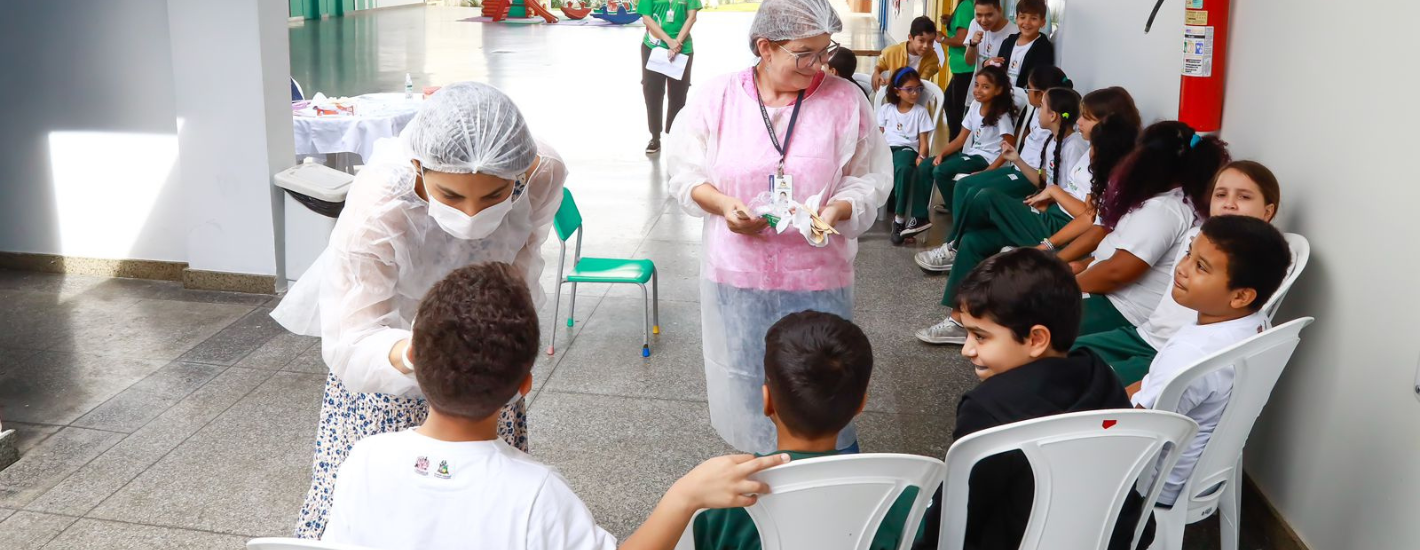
[{"x": 1205, "y": 38}]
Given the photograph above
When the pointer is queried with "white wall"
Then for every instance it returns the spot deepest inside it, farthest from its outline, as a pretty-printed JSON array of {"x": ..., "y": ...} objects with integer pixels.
[
  {"x": 1338, "y": 448},
  {"x": 900, "y": 23},
  {"x": 139, "y": 129},
  {"x": 232, "y": 68},
  {"x": 1101, "y": 43},
  {"x": 88, "y": 145}
]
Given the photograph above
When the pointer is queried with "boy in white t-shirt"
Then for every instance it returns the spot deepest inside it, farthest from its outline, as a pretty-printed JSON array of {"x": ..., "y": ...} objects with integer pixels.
[
  {"x": 1232, "y": 268},
  {"x": 452, "y": 483},
  {"x": 1242, "y": 188},
  {"x": 987, "y": 32}
]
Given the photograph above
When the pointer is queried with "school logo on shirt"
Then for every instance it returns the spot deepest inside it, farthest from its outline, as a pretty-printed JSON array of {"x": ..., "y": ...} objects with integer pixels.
[
  {"x": 421, "y": 465},
  {"x": 899, "y": 126},
  {"x": 1015, "y": 63},
  {"x": 443, "y": 471}
]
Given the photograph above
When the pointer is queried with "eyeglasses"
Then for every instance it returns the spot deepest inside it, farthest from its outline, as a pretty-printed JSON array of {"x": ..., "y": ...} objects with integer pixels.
[
  {"x": 806, "y": 60},
  {"x": 1034, "y": 90},
  {"x": 912, "y": 89}
]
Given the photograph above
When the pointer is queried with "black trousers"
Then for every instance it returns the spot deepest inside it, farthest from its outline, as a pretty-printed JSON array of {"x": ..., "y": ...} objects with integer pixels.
[
  {"x": 654, "y": 85},
  {"x": 955, "y": 100}
]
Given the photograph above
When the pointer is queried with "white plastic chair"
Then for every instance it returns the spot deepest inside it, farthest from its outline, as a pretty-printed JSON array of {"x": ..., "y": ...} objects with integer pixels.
[
  {"x": 837, "y": 502},
  {"x": 298, "y": 544},
  {"x": 865, "y": 81},
  {"x": 1085, "y": 466},
  {"x": 1215, "y": 484},
  {"x": 1301, "y": 252}
]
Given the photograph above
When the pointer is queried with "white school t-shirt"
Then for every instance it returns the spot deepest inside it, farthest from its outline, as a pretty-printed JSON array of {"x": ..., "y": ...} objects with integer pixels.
[
  {"x": 1206, "y": 397},
  {"x": 902, "y": 129},
  {"x": 1018, "y": 58},
  {"x": 990, "y": 40},
  {"x": 404, "y": 490},
  {"x": 1035, "y": 140},
  {"x": 1079, "y": 181},
  {"x": 986, "y": 140},
  {"x": 1153, "y": 233},
  {"x": 1169, "y": 317},
  {"x": 915, "y": 61},
  {"x": 1074, "y": 146}
]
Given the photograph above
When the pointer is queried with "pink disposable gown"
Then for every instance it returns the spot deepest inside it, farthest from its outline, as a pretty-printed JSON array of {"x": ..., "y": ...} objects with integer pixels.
[{"x": 750, "y": 282}]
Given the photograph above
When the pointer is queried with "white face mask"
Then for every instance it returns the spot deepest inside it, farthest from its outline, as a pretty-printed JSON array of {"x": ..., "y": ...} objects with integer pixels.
[{"x": 477, "y": 226}]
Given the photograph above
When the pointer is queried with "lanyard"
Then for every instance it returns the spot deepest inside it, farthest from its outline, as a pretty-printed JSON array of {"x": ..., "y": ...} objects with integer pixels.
[{"x": 789, "y": 134}]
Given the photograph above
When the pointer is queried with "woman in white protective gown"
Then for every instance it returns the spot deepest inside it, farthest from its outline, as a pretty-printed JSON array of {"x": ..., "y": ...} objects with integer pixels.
[
  {"x": 465, "y": 182},
  {"x": 781, "y": 123}
]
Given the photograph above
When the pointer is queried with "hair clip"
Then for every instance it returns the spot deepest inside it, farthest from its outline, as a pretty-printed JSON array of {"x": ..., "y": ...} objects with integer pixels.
[
  {"x": 1194, "y": 143},
  {"x": 1065, "y": 115}
]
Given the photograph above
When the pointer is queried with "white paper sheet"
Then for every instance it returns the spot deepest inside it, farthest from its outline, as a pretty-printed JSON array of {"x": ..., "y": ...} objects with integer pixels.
[{"x": 660, "y": 62}]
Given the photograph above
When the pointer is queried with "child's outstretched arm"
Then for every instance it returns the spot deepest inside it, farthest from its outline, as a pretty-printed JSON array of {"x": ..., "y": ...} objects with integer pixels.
[
  {"x": 721, "y": 482},
  {"x": 1006, "y": 139}
]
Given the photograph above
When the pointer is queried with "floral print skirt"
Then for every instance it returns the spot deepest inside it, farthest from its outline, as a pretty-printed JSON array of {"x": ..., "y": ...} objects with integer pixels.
[{"x": 347, "y": 417}]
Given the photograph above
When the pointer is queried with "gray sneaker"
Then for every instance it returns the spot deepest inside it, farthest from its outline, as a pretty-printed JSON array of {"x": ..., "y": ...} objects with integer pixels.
[
  {"x": 936, "y": 260},
  {"x": 945, "y": 332}
]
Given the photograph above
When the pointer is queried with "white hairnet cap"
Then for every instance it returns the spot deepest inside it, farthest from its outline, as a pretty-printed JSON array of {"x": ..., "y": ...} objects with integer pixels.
[
  {"x": 468, "y": 128},
  {"x": 793, "y": 19}
]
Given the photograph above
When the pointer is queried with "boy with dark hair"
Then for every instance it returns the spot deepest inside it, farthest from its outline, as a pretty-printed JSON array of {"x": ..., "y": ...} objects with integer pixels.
[
  {"x": 452, "y": 483},
  {"x": 816, "y": 371},
  {"x": 987, "y": 32},
  {"x": 843, "y": 64},
  {"x": 1022, "y": 311},
  {"x": 1232, "y": 268},
  {"x": 916, "y": 52},
  {"x": 1026, "y": 50}
]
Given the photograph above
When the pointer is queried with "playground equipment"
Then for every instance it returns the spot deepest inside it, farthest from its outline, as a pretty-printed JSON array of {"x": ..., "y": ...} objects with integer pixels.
[
  {"x": 500, "y": 10},
  {"x": 617, "y": 13},
  {"x": 575, "y": 10}
]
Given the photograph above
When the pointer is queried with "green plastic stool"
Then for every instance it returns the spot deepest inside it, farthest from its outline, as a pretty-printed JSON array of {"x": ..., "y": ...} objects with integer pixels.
[{"x": 599, "y": 270}]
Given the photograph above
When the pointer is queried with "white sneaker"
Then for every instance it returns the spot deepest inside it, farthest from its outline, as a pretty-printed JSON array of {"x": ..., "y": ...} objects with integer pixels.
[
  {"x": 945, "y": 332},
  {"x": 936, "y": 260}
]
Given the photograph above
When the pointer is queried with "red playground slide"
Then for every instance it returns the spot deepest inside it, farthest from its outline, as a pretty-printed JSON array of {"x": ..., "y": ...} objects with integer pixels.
[
  {"x": 536, "y": 7},
  {"x": 498, "y": 10}
]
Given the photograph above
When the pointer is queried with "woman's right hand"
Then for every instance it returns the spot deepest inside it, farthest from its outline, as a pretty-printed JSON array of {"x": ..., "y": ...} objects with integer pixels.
[
  {"x": 739, "y": 219},
  {"x": 397, "y": 356}
]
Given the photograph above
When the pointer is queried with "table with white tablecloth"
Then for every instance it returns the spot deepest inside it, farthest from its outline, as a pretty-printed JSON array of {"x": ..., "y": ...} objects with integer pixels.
[{"x": 374, "y": 117}]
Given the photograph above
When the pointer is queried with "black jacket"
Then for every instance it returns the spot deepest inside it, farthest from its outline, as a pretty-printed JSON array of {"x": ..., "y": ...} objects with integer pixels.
[
  {"x": 1041, "y": 54},
  {"x": 1002, "y": 487}
]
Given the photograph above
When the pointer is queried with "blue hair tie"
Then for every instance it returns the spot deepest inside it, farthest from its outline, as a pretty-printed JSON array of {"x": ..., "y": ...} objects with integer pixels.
[{"x": 1194, "y": 143}]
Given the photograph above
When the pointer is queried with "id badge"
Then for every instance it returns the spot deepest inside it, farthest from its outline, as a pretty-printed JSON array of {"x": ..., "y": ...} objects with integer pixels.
[
  {"x": 782, "y": 187},
  {"x": 670, "y": 15}
]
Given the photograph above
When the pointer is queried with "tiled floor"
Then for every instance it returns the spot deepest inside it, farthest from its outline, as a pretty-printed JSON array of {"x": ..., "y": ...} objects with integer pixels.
[{"x": 156, "y": 417}]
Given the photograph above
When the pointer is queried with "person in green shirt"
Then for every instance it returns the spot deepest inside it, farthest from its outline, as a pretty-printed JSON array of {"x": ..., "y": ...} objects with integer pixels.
[
  {"x": 668, "y": 24},
  {"x": 816, "y": 371},
  {"x": 954, "y": 36}
]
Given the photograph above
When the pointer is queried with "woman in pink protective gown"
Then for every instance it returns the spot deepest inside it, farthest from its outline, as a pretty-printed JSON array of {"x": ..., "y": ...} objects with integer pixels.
[{"x": 721, "y": 155}]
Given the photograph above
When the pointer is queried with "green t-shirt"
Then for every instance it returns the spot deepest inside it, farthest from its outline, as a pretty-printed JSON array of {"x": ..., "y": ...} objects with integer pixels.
[
  {"x": 671, "y": 16},
  {"x": 961, "y": 19},
  {"x": 732, "y": 529}
]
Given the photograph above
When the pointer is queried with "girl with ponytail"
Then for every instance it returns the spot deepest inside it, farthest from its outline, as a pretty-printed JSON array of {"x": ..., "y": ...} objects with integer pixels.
[
  {"x": 1012, "y": 178},
  {"x": 1155, "y": 195}
]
